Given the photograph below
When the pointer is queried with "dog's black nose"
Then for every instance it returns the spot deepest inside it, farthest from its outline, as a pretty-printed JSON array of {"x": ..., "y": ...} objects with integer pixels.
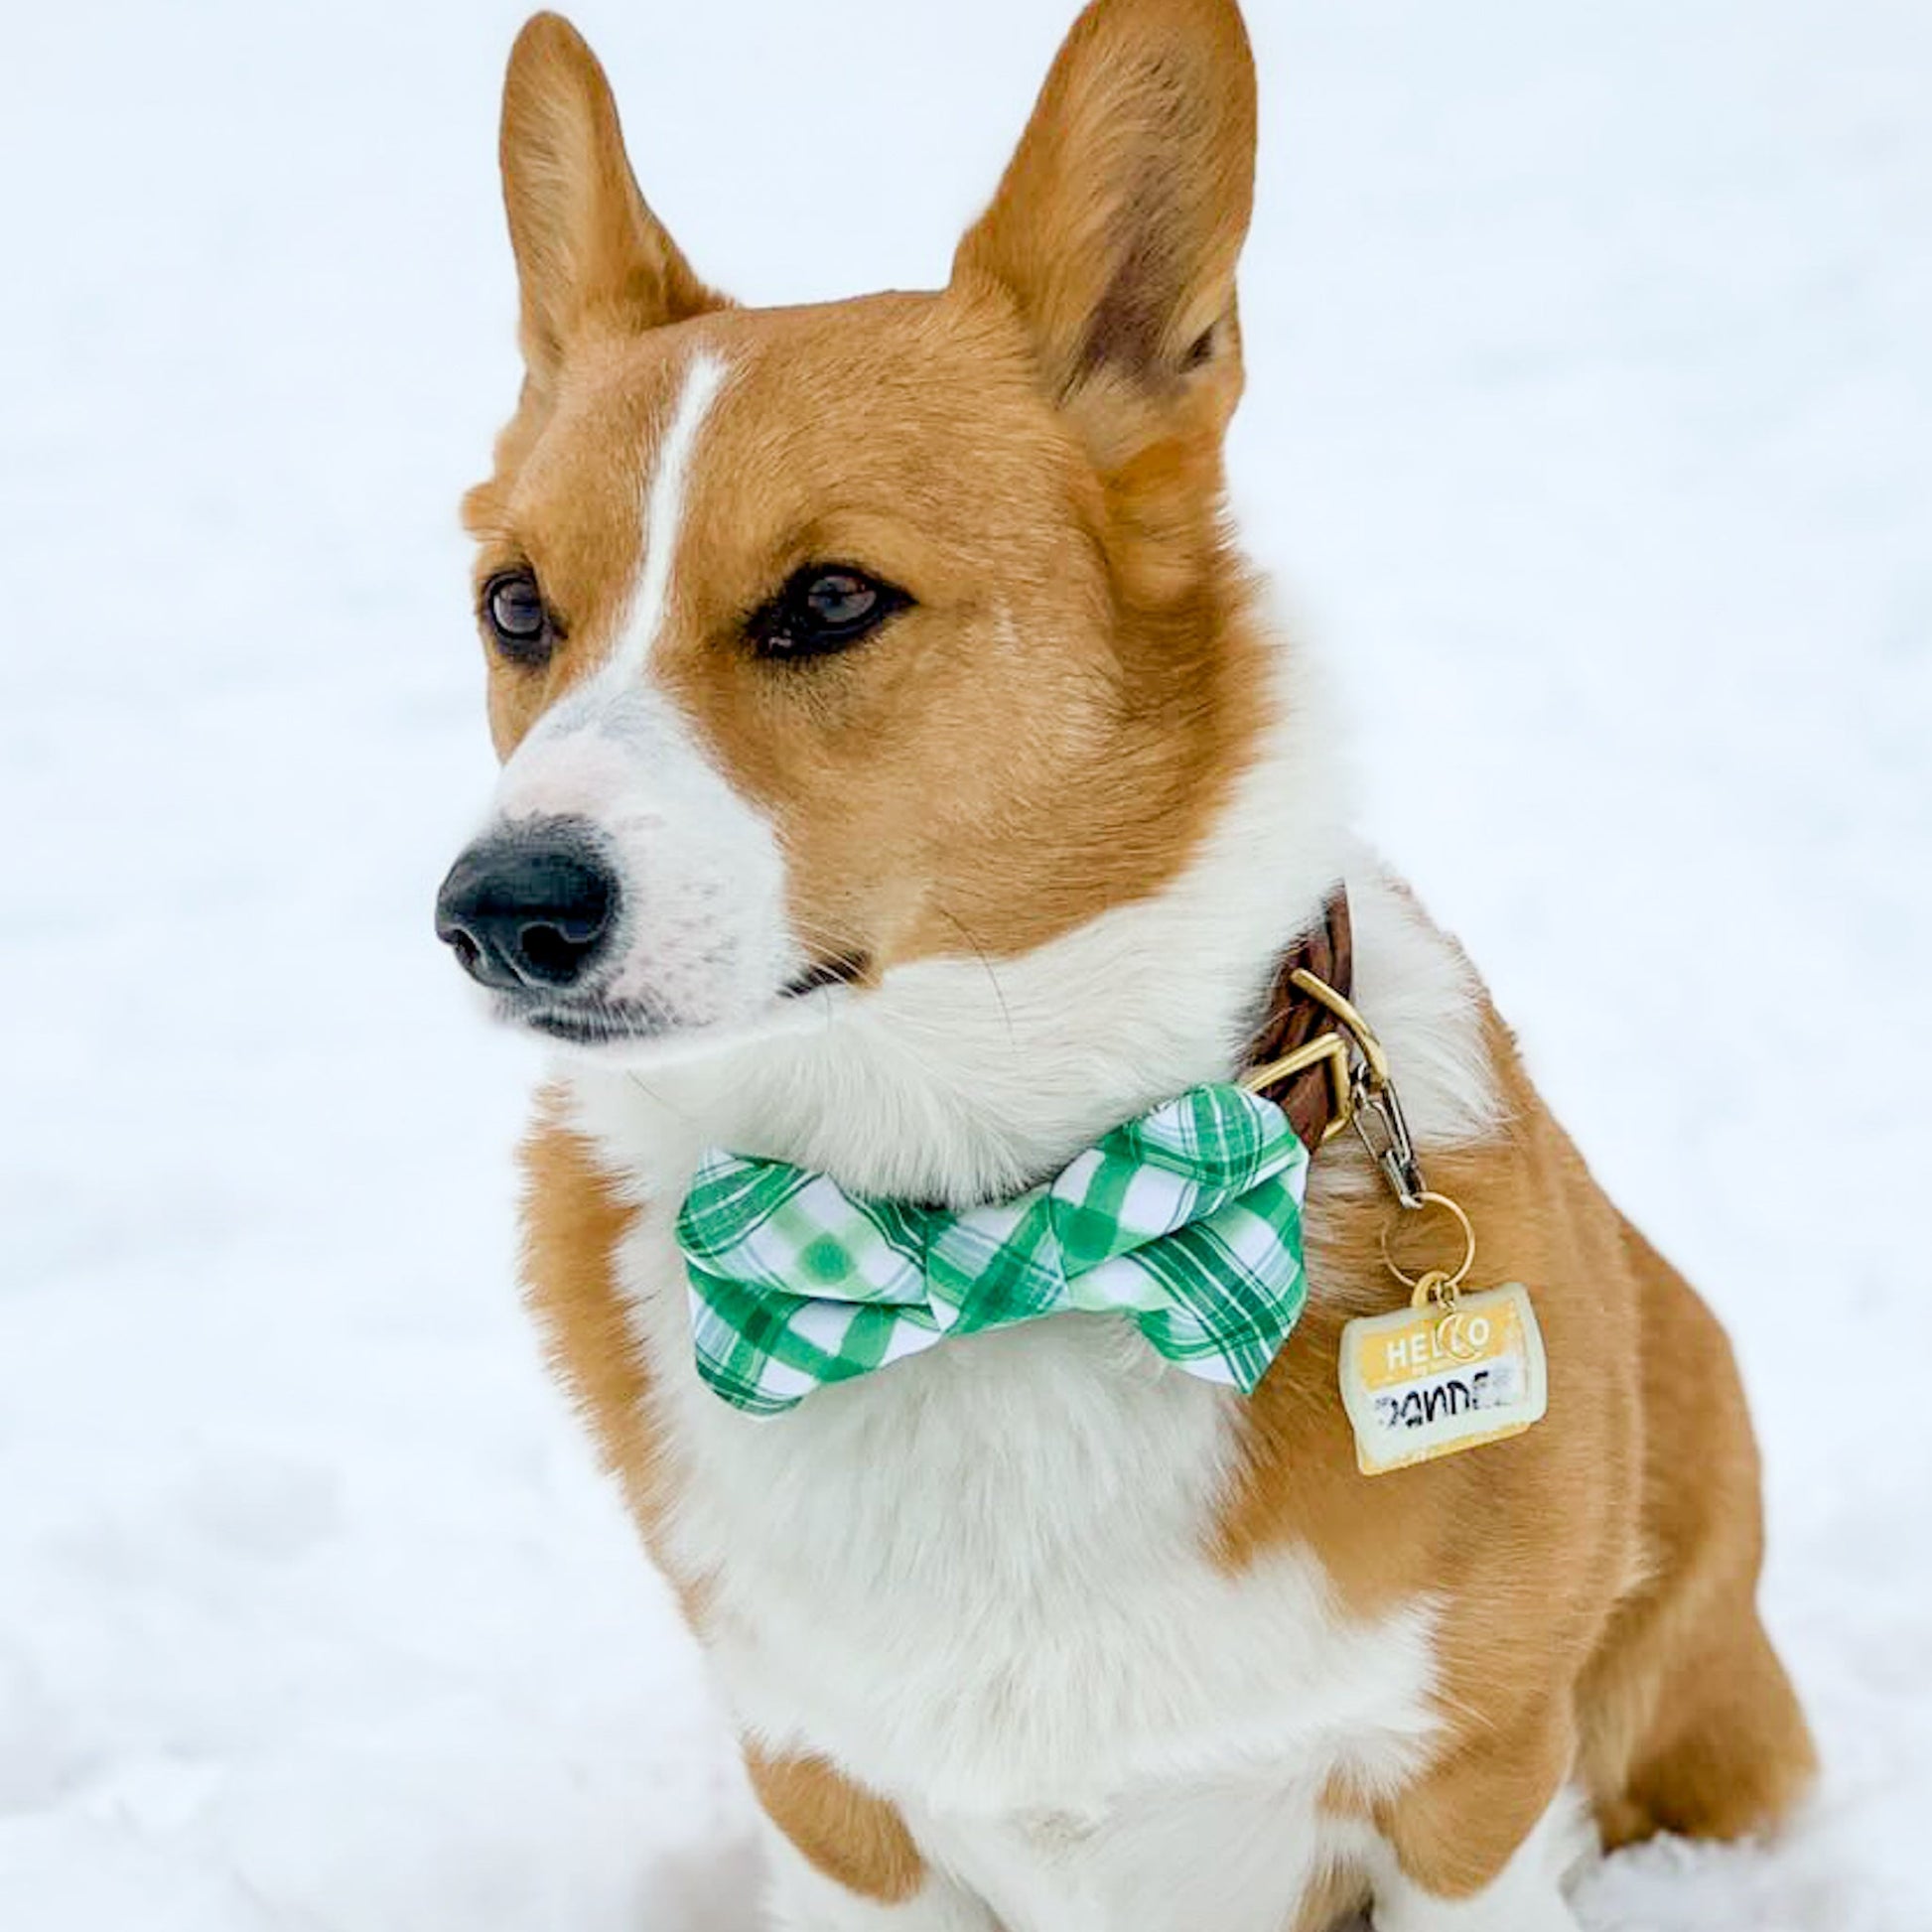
[{"x": 530, "y": 908}]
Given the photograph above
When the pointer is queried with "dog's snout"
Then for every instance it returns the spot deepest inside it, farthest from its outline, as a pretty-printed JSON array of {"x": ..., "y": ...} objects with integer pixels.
[{"x": 529, "y": 908}]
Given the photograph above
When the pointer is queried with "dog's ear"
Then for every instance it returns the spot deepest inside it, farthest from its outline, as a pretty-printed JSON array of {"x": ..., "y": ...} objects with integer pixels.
[
  {"x": 1118, "y": 223},
  {"x": 590, "y": 253}
]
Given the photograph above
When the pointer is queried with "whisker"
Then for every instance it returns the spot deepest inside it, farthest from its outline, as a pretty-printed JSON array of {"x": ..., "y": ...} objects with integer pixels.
[{"x": 980, "y": 953}]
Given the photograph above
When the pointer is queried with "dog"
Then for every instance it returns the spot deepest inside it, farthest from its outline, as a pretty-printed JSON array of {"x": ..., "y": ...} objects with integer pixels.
[{"x": 903, "y": 785}]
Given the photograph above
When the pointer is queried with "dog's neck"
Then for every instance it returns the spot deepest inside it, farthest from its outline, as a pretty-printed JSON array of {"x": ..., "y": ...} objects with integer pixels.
[{"x": 962, "y": 1079}]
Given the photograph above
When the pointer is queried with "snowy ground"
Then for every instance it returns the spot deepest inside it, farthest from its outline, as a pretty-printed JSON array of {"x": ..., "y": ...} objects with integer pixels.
[{"x": 1590, "y": 431}]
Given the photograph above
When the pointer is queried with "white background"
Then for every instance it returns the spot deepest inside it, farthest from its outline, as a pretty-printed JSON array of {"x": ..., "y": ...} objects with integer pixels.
[{"x": 1590, "y": 435}]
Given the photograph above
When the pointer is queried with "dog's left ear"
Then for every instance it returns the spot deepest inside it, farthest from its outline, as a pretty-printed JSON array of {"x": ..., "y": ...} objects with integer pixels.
[{"x": 1117, "y": 227}]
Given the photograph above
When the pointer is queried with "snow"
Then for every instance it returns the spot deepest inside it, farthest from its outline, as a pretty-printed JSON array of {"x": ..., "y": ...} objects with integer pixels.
[{"x": 1589, "y": 430}]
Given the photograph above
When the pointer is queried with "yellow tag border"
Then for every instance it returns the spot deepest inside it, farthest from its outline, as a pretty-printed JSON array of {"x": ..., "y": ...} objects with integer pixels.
[{"x": 1360, "y": 1386}]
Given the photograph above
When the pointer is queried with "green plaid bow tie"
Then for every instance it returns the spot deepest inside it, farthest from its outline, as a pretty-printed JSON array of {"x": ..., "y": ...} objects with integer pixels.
[{"x": 1187, "y": 1219}]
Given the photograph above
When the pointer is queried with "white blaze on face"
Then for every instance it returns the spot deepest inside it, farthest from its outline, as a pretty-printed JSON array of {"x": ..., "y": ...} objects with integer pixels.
[
  {"x": 663, "y": 514},
  {"x": 702, "y": 937}
]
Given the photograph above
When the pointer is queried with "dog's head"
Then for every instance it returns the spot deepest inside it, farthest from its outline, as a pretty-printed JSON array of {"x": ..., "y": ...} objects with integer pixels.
[{"x": 822, "y": 641}]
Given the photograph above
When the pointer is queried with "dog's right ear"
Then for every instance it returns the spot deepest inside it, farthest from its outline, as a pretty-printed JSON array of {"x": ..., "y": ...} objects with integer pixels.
[{"x": 590, "y": 256}]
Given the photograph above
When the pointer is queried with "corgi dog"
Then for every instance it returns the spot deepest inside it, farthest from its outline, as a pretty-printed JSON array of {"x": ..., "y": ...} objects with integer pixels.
[{"x": 903, "y": 779}]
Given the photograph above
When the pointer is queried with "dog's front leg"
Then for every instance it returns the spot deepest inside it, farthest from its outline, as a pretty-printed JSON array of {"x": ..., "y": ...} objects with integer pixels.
[
  {"x": 1485, "y": 1842},
  {"x": 841, "y": 1860},
  {"x": 801, "y": 1896}
]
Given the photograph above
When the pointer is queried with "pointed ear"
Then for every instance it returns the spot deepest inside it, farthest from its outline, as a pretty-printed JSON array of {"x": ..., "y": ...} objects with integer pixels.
[
  {"x": 590, "y": 253},
  {"x": 1118, "y": 224}
]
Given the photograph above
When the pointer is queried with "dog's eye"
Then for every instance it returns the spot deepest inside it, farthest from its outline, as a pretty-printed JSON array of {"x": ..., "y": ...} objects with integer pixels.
[
  {"x": 518, "y": 617},
  {"x": 824, "y": 607}
]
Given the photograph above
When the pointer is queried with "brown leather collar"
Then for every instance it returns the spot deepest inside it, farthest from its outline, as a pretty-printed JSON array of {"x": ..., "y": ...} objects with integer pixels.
[{"x": 1294, "y": 1020}]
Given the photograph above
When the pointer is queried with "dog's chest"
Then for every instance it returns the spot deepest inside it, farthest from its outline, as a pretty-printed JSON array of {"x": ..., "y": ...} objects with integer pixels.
[{"x": 983, "y": 1582}]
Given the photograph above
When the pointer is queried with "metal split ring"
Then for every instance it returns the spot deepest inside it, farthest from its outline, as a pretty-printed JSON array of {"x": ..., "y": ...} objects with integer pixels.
[{"x": 1425, "y": 1201}]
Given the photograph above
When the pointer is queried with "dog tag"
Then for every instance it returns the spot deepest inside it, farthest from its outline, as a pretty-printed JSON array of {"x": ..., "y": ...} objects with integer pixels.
[{"x": 1425, "y": 1382}]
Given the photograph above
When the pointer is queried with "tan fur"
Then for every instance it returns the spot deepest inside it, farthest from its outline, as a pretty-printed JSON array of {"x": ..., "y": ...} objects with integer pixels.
[
  {"x": 572, "y": 1222},
  {"x": 1598, "y": 1580},
  {"x": 592, "y": 259},
  {"x": 1034, "y": 454},
  {"x": 1336, "y": 1897},
  {"x": 847, "y": 1834}
]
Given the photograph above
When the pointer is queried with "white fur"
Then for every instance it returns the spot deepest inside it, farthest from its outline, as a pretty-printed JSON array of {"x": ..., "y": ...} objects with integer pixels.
[
  {"x": 978, "y": 1582},
  {"x": 803, "y": 1900},
  {"x": 665, "y": 516},
  {"x": 1235, "y": 1850}
]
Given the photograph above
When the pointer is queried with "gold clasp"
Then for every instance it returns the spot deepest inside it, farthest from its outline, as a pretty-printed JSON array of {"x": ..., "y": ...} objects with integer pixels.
[
  {"x": 1375, "y": 1062},
  {"x": 1349, "y": 1084},
  {"x": 1364, "y": 1094},
  {"x": 1329, "y": 1051},
  {"x": 1372, "y": 1108}
]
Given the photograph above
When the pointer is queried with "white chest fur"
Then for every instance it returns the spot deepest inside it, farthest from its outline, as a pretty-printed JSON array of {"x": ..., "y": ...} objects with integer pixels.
[
  {"x": 981, "y": 1582},
  {"x": 983, "y": 1578},
  {"x": 978, "y": 1583}
]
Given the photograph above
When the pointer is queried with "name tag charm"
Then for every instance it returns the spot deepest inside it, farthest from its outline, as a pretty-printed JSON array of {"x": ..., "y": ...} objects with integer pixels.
[
  {"x": 1421, "y": 1383},
  {"x": 1451, "y": 1371}
]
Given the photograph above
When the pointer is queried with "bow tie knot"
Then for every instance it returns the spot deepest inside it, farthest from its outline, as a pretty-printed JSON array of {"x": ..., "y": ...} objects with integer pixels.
[{"x": 1187, "y": 1220}]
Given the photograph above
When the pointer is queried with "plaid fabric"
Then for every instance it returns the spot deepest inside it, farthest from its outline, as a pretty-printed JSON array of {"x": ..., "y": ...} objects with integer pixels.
[{"x": 1187, "y": 1220}]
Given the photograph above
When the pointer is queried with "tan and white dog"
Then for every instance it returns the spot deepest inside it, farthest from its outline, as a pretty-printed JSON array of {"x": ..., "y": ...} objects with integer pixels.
[{"x": 903, "y": 778}]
